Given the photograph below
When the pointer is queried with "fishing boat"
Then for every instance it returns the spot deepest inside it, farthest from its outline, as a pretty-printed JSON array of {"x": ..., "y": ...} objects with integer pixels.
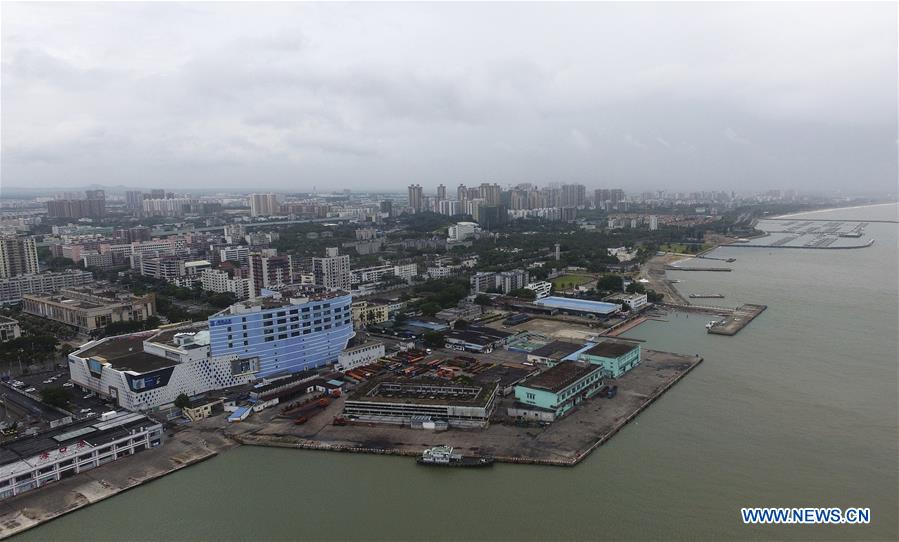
[{"x": 444, "y": 456}]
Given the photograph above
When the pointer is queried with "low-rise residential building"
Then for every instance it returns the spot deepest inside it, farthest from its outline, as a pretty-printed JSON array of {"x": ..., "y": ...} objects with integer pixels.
[
  {"x": 9, "y": 329},
  {"x": 219, "y": 281},
  {"x": 634, "y": 302},
  {"x": 366, "y": 314},
  {"x": 504, "y": 281},
  {"x": 541, "y": 288},
  {"x": 14, "y": 288},
  {"x": 359, "y": 356},
  {"x": 162, "y": 267},
  {"x": 88, "y": 309},
  {"x": 554, "y": 392},
  {"x": 31, "y": 462}
]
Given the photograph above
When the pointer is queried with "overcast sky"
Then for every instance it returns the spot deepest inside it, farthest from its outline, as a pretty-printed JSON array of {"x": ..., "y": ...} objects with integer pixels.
[{"x": 370, "y": 96}]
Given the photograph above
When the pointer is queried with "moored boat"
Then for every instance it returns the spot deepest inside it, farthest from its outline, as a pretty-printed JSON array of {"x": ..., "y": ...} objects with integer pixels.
[{"x": 444, "y": 456}]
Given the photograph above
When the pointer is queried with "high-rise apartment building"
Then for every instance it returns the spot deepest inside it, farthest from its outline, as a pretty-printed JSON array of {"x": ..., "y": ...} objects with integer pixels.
[
  {"x": 332, "y": 271},
  {"x": 573, "y": 195},
  {"x": 441, "y": 193},
  {"x": 491, "y": 193},
  {"x": 134, "y": 199},
  {"x": 270, "y": 271},
  {"x": 416, "y": 198},
  {"x": 264, "y": 205},
  {"x": 18, "y": 256},
  {"x": 76, "y": 208}
]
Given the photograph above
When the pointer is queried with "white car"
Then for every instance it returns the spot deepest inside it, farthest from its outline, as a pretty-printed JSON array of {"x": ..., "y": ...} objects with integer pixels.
[
  {"x": 68, "y": 385},
  {"x": 86, "y": 410},
  {"x": 29, "y": 390},
  {"x": 17, "y": 384},
  {"x": 48, "y": 381}
]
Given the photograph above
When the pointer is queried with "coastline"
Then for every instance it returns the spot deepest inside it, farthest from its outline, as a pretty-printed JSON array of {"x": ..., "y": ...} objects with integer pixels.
[{"x": 827, "y": 209}]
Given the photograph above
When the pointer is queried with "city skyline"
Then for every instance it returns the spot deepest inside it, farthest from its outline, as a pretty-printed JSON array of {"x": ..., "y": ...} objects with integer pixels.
[{"x": 294, "y": 98}]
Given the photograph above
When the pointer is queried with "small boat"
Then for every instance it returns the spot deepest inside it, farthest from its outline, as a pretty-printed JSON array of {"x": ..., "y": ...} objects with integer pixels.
[
  {"x": 712, "y": 324},
  {"x": 444, "y": 456}
]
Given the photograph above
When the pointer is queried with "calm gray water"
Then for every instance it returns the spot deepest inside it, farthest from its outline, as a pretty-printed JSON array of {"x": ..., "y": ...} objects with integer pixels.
[{"x": 799, "y": 409}]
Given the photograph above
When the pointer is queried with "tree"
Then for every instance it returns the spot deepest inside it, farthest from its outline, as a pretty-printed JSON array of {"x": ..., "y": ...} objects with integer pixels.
[
  {"x": 430, "y": 308},
  {"x": 433, "y": 339},
  {"x": 182, "y": 401},
  {"x": 56, "y": 396},
  {"x": 483, "y": 300},
  {"x": 524, "y": 293},
  {"x": 609, "y": 283},
  {"x": 460, "y": 324}
]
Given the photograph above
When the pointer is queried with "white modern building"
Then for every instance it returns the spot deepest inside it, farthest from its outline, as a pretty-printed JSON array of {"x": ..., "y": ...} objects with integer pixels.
[
  {"x": 462, "y": 231},
  {"x": 542, "y": 288},
  {"x": 332, "y": 271},
  {"x": 147, "y": 370},
  {"x": 216, "y": 280},
  {"x": 35, "y": 461},
  {"x": 359, "y": 356},
  {"x": 264, "y": 205}
]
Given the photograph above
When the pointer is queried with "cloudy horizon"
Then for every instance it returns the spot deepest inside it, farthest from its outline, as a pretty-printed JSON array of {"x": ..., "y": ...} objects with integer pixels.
[{"x": 293, "y": 96}]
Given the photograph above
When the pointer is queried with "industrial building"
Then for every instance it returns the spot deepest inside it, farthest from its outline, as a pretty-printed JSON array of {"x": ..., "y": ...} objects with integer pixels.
[
  {"x": 398, "y": 401},
  {"x": 579, "y": 307},
  {"x": 615, "y": 357},
  {"x": 31, "y": 462},
  {"x": 551, "y": 394},
  {"x": 634, "y": 302},
  {"x": 147, "y": 370},
  {"x": 477, "y": 339},
  {"x": 552, "y": 353},
  {"x": 88, "y": 309},
  {"x": 286, "y": 332},
  {"x": 360, "y": 355}
]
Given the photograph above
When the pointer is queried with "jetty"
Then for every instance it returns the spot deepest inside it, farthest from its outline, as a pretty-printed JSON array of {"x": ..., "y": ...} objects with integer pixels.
[
  {"x": 677, "y": 268},
  {"x": 737, "y": 320},
  {"x": 565, "y": 442}
]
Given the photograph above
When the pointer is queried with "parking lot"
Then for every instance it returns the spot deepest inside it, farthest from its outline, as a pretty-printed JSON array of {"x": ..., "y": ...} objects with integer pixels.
[{"x": 81, "y": 403}]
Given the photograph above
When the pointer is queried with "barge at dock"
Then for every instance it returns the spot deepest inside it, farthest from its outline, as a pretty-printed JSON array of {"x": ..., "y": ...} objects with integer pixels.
[
  {"x": 443, "y": 456},
  {"x": 706, "y": 296}
]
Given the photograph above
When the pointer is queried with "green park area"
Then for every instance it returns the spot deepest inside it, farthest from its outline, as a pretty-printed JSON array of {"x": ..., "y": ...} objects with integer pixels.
[{"x": 566, "y": 282}]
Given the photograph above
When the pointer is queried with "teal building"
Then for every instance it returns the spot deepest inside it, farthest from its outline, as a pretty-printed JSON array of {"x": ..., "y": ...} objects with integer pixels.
[
  {"x": 616, "y": 358},
  {"x": 554, "y": 392}
]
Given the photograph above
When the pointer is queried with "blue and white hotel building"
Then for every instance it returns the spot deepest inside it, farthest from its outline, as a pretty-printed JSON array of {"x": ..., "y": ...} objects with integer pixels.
[{"x": 287, "y": 334}]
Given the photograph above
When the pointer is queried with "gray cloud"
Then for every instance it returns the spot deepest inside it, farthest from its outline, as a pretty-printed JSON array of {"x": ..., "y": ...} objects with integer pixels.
[{"x": 287, "y": 96}]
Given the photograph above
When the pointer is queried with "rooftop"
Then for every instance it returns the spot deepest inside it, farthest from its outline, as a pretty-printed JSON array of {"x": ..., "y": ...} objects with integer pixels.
[
  {"x": 423, "y": 391},
  {"x": 17, "y": 456},
  {"x": 556, "y": 350},
  {"x": 611, "y": 349},
  {"x": 582, "y": 305},
  {"x": 126, "y": 353},
  {"x": 559, "y": 377}
]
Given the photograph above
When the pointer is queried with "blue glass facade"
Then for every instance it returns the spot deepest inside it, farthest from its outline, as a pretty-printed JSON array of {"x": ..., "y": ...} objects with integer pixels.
[{"x": 288, "y": 338}]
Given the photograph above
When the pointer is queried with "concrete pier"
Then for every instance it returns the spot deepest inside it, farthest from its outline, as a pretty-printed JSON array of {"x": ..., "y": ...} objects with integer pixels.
[
  {"x": 565, "y": 442},
  {"x": 737, "y": 320}
]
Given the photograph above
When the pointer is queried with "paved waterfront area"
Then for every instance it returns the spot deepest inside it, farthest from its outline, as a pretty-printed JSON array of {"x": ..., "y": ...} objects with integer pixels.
[
  {"x": 564, "y": 442},
  {"x": 185, "y": 448},
  {"x": 739, "y": 319}
]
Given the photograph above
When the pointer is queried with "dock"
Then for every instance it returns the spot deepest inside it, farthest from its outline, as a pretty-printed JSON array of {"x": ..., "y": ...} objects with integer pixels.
[
  {"x": 676, "y": 268},
  {"x": 564, "y": 442},
  {"x": 706, "y": 296},
  {"x": 738, "y": 319}
]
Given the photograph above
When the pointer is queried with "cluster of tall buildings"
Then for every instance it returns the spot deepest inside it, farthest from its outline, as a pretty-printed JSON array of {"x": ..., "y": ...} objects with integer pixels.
[{"x": 491, "y": 206}]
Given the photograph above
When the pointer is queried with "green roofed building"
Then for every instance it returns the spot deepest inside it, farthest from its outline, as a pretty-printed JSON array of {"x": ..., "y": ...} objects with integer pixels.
[
  {"x": 554, "y": 392},
  {"x": 615, "y": 357}
]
